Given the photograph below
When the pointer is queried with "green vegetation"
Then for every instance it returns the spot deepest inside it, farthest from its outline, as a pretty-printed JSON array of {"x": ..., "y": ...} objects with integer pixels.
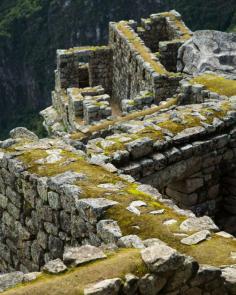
[
  {"x": 13, "y": 11},
  {"x": 74, "y": 281},
  {"x": 216, "y": 84},
  {"x": 141, "y": 49},
  {"x": 150, "y": 226}
]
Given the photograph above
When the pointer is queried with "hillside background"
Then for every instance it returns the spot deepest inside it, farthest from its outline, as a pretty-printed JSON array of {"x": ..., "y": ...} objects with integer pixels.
[{"x": 32, "y": 30}]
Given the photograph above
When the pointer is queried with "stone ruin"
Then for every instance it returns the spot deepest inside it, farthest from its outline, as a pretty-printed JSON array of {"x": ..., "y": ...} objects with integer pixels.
[{"x": 139, "y": 165}]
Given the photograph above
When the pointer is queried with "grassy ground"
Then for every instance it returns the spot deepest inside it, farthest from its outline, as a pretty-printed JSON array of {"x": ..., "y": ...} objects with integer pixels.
[
  {"x": 73, "y": 282},
  {"x": 216, "y": 84}
]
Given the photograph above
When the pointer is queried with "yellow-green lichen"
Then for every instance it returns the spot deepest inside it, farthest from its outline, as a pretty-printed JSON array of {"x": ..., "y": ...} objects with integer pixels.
[{"x": 216, "y": 84}]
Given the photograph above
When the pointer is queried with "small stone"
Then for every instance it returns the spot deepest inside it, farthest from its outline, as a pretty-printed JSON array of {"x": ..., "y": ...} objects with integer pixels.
[
  {"x": 131, "y": 241},
  {"x": 75, "y": 256},
  {"x": 138, "y": 204},
  {"x": 196, "y": 238},
  {"x": 106, "y": 287},
  {"x": 55, "y": 267},
  {"x": 158, "y": 212},
  {"x": 133, "y": 210},
  {"x": 224, "y": 235},
  {"x": 170, "y": 222}
]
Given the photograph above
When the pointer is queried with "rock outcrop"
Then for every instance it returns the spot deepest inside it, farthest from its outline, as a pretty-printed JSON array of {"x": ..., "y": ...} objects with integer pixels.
[{"x": 212, "y": 51}]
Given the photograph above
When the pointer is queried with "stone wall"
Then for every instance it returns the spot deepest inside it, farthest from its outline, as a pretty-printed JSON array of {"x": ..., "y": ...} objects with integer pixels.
[
  {"x": 40, "y": 216},
  {"x": 96, "y": 60},
  {"x": 164, "y": 33},
  {"x": 189, "y": 173},
  {"x": 174, "y": 274},
  {"x": 131, "y": 72}
]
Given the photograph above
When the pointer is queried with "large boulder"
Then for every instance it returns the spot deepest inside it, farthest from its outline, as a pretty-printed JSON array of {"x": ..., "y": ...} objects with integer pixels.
[{"x": 209, "y": 51}]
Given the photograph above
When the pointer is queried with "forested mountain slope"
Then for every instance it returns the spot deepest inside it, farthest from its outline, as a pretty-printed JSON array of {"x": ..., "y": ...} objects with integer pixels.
[{"x": 32, "y": 30}]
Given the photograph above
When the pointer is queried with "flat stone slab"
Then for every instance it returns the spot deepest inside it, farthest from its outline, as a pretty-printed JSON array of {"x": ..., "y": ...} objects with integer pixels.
[
  {"x": 225, "y": 235},
  {"x": 196, "y": 238},
  {"x": 75, "y": 256},
  {"x": 158, "y": 212},
  {"x": 198, "y": 224},
  {"x": 68, "y": 177},
  {"x": 98, "y": 206},
  {"x": 131, "y": 241},
  {"x": 10, "y": 280},
  {"x": 138, "y": 204},
  {"x": 106, "y": 287},
  {"x": 55, "y": 267}
]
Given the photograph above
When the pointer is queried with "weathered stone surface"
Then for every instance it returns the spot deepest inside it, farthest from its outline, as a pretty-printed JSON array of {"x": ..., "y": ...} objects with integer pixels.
[
  {"x": 69, "y": 177},
  {"x": 55, "y": 267},
  {"x": 198, "y": 224},
  {"x": 109, "y": 231},
  {"x": 31, "y": 276},
  {"x": 151, "y": 284},
  {"x": 96, "y": 206},
  {"x": 22, "y": 132},
  {"x": 219, "y": 47},
  {"x": 205, "y": 274},
  {"x": 106, "y": 287},
  {"x": 10, "y": 280},
  {"x": 196, "y": 238},
  {"x": 229, "y": 274},
  {"x": 80, "y": 255},
  {"x": 131, "y": 284},
  {"x": 140, "y": 147},
  {"x": 161, "y": 258},
  {"x": 131, "y": 241}
]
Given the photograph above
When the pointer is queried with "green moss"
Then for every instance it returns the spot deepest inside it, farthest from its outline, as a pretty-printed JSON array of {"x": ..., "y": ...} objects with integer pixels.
[
  {"x": 83, "y": 48},
  {"x": 179, "y": 25},
  {"x": 141, "y": 49},
  {"x": 132, "y": 116},
  {"x": 216, "y": 84}
]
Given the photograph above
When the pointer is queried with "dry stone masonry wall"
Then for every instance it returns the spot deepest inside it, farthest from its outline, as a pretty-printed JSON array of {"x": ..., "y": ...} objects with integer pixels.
[{"x": 139, "y": 168}]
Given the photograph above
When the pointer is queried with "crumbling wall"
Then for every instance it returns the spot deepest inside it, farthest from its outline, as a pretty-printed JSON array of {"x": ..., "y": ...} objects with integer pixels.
[
  {"x": 135, "y": 68},
  {"x": 99, "y": 64},
  {"x": 164, "y": 34}
]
